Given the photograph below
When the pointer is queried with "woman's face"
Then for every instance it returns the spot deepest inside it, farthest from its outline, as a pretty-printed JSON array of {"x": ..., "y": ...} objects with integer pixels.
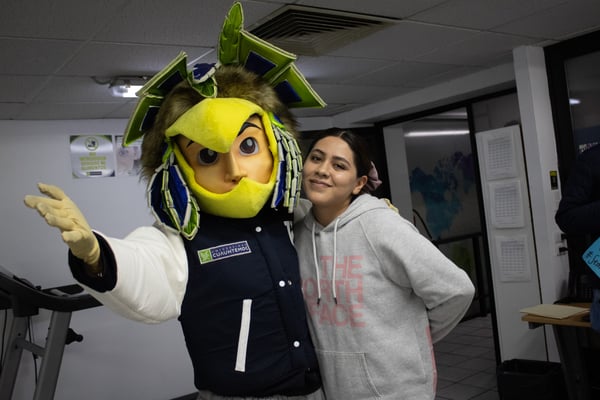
[
  {"x": 249, "y": 157},
  {"x": 329, "y": 176}
]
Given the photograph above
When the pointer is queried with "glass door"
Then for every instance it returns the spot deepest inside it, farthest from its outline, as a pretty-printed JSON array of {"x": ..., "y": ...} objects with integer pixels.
[
  {"x": 582, "y": 76},
  {"x": 444, "y": 191},
  {"x": 441, "y": 175},
  {"x": 574, "y": 82}
]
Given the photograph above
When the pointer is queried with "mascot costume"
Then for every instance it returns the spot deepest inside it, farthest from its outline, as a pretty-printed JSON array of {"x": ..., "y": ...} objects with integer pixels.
[{"x": 223, "y": 171}]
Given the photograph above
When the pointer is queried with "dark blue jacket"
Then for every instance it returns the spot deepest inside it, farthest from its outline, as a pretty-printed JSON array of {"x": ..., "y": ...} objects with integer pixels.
[
  {"x": 266, "y": 349},
  {"x": 243, "y": 314},
  {"x": 578, "y": 213},
  {"x": 579, "y": 208}
]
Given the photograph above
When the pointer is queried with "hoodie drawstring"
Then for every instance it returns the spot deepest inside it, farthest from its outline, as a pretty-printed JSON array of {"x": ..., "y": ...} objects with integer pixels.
[
  {"x": 314, "y": 243},
  {"x": 316, "y": 262},
  {"x": 334, "y": 259}
]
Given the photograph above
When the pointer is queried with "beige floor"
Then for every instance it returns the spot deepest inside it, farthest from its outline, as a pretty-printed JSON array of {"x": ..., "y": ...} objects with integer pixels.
[{"x": 466, "y": 362}]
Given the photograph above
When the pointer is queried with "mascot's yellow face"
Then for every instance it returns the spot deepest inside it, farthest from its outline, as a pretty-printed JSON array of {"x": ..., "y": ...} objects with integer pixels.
[
  {"x": 226, "y": 150},
  {"x": 249, "y": 157}
]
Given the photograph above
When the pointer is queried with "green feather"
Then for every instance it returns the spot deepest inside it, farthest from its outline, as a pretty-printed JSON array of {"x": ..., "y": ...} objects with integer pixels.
[{"x": 229, "y": 40}]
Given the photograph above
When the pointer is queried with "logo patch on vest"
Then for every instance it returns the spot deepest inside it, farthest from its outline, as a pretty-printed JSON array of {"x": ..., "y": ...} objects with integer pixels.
[{"x": 223, "y": 251}]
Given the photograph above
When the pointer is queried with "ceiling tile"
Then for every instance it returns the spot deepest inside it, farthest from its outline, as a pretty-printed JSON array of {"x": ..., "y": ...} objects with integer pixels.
[
  {"x": 34, "y": 56},
  {"x": 355, "y": 93},
  {"x": 105, "y": 60},
  {"x": 404, "y": 73},
  {"x": 331, "y": 110},
  {"x": 10, "y": 110},
  {"x": 75, "y": 89},
  {"x": 558, "y": 23},
  {"x": 20, "y": 88},
  {"x": 406, "y": 40},
  {"x": 477, "y": 50},
  {"x": 482, "y": 14},
  {"x": 66, "y": 111},
  {"x": 444, "y": 76},
  {"x": 159, "y": 22},
  {"x": 336, "y": 69},
  {"x": 56, "y": 19},
  {"x": 123, "y": 111}
]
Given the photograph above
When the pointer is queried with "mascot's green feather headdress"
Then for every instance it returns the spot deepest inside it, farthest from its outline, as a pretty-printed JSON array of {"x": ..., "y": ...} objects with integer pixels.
[{"x": 168, "y": 194}]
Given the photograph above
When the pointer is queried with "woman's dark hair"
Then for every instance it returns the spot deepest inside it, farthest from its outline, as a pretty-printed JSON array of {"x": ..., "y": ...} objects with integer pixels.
[{"x": 357, "y": 144}]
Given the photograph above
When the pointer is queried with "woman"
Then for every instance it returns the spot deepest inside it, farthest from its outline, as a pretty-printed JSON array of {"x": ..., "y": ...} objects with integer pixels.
[{"x": 378, "y": 293}]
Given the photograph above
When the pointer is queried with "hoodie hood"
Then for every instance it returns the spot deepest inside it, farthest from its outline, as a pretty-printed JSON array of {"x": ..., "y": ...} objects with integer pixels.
[{"x": 362, "y": 204}]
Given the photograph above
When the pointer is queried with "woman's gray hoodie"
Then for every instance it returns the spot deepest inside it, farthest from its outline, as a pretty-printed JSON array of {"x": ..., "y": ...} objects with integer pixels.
[{"x": 394, "y": 294}]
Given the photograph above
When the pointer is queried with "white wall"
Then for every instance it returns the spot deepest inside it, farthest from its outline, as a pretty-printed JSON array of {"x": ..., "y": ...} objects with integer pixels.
[
  {"x": 118, "y": 358},
  {"x": 540, "y": 150}
]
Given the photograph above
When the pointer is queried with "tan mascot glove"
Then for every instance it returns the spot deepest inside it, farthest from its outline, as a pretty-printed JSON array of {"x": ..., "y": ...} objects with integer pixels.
[{"x": 59, "y": 211}]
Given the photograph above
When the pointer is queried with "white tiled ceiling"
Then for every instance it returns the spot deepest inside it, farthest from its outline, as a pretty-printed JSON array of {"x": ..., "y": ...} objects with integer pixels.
[{"x": 51, "y": 49}]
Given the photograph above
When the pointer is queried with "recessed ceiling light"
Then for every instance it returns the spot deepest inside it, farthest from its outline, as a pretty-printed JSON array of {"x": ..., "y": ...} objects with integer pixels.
[{"x": 126, "y": 86}]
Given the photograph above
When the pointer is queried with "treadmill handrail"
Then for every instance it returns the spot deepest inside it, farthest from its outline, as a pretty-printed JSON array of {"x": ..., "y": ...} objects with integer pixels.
[{"x": 67, "y": 298}]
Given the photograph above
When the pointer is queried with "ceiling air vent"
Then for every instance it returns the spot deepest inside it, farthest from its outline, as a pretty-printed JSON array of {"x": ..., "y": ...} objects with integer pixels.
[{"x": 314, "y": 31}]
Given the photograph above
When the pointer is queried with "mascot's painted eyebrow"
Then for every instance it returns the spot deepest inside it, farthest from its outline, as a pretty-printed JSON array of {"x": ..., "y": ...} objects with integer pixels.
[{"x": 245, "y": 126}]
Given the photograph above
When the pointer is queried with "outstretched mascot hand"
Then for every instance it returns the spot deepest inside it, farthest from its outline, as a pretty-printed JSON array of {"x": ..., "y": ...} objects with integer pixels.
[{"x": 59, "y": 211}]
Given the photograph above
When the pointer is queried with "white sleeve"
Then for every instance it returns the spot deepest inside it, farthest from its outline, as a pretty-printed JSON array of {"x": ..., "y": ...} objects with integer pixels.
[{"x": 152, "y": 275}]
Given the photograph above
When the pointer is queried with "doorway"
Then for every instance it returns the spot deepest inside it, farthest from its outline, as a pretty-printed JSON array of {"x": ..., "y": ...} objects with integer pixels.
[{"x": 434, "y": 182}]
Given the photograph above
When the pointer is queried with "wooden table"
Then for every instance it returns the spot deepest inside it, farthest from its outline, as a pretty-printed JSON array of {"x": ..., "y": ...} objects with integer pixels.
[{"x": 573, "y": 336}]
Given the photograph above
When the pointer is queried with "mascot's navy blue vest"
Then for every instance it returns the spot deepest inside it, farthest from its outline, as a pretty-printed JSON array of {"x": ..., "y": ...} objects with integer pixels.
[{"x": 243, "y": 311}]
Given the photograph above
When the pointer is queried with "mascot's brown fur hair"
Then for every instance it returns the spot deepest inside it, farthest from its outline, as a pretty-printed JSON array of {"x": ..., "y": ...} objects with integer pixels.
[{"x": 232, "y": 81}]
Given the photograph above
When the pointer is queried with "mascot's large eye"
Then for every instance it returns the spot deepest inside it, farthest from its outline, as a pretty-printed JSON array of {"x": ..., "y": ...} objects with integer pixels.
[
  {"x": 207, "y": 157},
  {"x": 249, "y": 146}
]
